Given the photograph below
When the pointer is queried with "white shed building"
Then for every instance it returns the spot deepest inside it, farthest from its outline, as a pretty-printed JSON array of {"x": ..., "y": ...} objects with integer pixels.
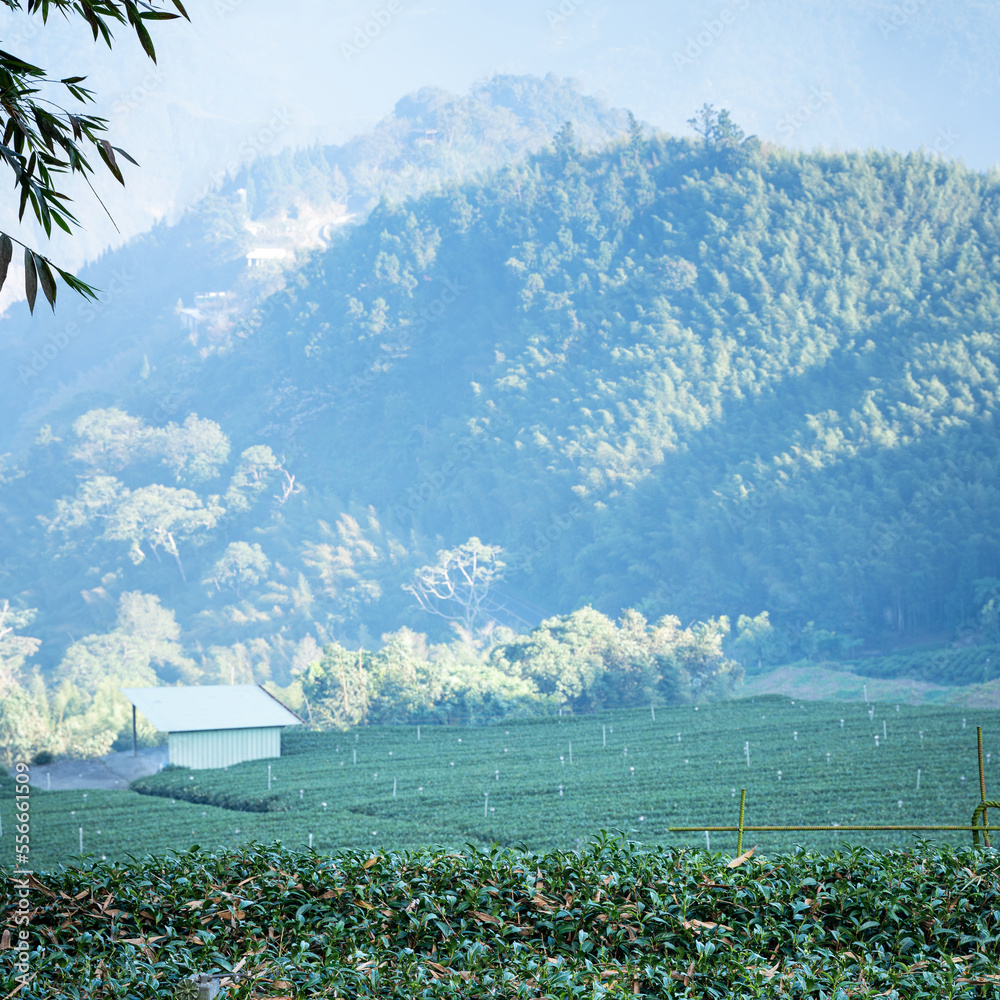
[{"x": 214, "y": 725}]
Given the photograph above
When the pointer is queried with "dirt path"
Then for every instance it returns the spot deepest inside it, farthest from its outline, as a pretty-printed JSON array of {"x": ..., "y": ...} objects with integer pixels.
[{"x": 115, "y": 770}]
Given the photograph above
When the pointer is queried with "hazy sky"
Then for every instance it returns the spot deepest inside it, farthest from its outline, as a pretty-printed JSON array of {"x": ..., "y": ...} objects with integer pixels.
[{"x": 249, "y": 77}]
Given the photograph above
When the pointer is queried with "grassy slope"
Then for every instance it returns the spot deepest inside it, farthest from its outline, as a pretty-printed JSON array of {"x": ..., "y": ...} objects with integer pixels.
[{"x": 833, "y": 682}]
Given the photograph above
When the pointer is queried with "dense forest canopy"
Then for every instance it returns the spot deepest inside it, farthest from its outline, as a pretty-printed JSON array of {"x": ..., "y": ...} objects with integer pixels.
[
  {"x": 655, "y": 375},
  {"x": 668, "y": 381}
]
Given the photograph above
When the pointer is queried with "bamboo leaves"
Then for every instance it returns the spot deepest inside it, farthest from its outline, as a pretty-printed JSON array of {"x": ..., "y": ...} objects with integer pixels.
[
  {"x": 30, "y": 278},
  {"x": 42, "y": 140}
]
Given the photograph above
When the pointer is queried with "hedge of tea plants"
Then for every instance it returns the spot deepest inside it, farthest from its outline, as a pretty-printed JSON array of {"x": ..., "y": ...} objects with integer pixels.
[
  {"x": 614, "y": 920},
  {"x": 965, "y": 665}
]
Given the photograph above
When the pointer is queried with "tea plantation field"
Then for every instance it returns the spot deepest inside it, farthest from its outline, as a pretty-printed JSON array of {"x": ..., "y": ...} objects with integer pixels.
[
  {"x": 555, "y": 783},
  {"x": 612, "y": 921}
]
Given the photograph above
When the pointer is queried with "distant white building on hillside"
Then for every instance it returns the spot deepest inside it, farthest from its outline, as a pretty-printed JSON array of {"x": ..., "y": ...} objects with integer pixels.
[
  {"x": 214, "y": 725},
  {"x": 260, "y": 255}
]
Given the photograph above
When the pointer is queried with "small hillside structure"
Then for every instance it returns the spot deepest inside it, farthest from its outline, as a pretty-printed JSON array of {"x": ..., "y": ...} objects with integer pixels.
[
  {"x": 260, "y": 255},
  {"x": 214, "y": 725}
]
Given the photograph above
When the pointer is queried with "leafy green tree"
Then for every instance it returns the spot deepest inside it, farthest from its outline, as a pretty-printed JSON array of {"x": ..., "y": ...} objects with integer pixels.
[
  {"x": 565, "y": 142},
  {"x": 24, "y": 723},
  {"x": 245, "y": 662},
  {"x": 355, "y": 560},
  {"x": 691, "y": 661},
  {"x": 723, "y": 137},
  {"x": 43, "y": 140},
  {"x": 478, "y": 692},
  {"x": 109, "y": 439},
  {"x": 142, "y": 650},
  {"x": 820, "y": 643},
  {"x": 989, "y": 617},
  {"x": 242, "y": 564},
  {"x": 706, "y": 123},
  {"x": 754, "y": 636},
  {"x": 14, "y": 648},
  {"x": 585, "y": 661},
  {"x": 160, "y": 517},
  {"x": 986, "y": 592},
  {"x": 256, "y": 469},
  {"x": 404, "y": 683},
  {"x": 633, "y": 669},
  {"x": 634, "y": 132},
  {"x": 23, "y": 726},
  {"x": 194, "y": 451},
  {"x": 337, "y": 688},
  {"x": 565, "y": 658}
]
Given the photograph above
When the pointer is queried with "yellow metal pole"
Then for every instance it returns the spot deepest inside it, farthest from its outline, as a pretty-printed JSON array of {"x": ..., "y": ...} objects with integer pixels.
[
  {"x": 739, "y": 839},
  {"x": 982, "y": 784}
]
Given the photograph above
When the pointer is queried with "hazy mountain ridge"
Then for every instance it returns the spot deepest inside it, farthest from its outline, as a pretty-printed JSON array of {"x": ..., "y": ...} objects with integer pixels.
[
  {"x": 836, "y": 312},
  {"x": 137, "y": 349},
  {"x": 292, "y": 201},
  {"x": 690, "y": 377}
]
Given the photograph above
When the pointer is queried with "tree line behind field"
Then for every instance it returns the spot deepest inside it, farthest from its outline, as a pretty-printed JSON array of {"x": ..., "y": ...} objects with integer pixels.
[{"x": 583, "y": 661}]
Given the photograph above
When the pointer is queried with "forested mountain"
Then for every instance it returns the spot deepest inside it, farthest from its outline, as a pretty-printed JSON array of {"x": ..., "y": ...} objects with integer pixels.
[
  {"x": 157, "y": 291},
  {"x": 659, "y": 375},
  {"x": 692, "y": 377}
]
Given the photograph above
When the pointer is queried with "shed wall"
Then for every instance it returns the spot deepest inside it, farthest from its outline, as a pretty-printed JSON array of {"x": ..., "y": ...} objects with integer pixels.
[{"x": 224, "y": 747}]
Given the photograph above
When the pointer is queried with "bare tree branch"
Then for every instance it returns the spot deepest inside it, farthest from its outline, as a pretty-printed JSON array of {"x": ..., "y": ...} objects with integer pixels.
[{"x": 456, "y": 587}]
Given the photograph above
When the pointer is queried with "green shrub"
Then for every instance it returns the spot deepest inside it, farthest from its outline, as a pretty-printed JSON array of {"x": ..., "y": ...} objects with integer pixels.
[
  {"x": 968, "y": 665},
  {"x": 212, "y": 788}
]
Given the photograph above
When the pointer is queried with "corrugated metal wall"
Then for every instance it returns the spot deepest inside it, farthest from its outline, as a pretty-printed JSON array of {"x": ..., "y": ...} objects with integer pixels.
[{"x": 224, "y": 747}]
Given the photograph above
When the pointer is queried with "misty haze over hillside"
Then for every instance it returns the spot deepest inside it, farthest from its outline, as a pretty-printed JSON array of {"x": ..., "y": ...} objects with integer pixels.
[
  {"x": 679, "y": 325},
  {"x": 245, "y": 80}
]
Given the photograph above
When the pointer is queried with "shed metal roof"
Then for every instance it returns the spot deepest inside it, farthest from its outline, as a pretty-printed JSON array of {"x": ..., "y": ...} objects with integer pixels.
[{"x": 210, "y": 706}]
